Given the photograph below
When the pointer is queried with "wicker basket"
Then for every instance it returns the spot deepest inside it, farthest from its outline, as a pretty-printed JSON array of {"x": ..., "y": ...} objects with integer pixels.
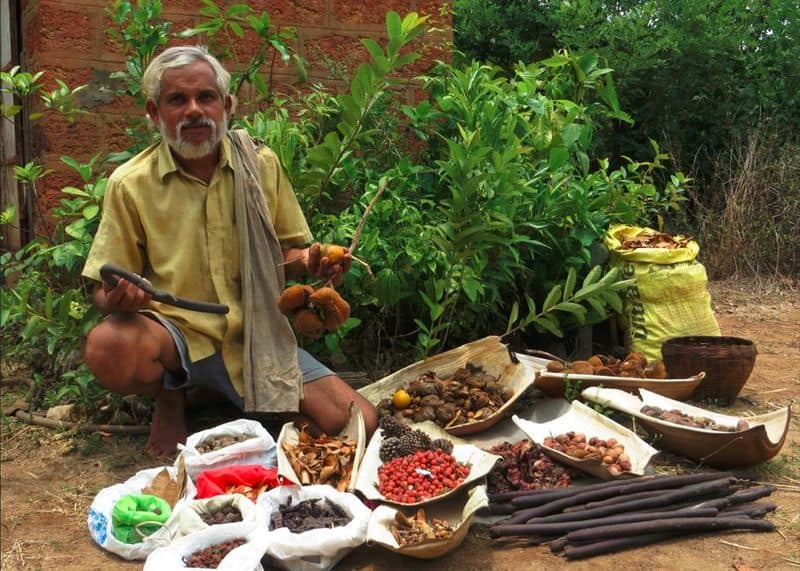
[{"x": 727, "y": 362}]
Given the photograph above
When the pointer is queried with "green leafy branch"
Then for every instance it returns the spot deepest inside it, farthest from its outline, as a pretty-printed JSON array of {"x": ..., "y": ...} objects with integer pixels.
[
  {"x": 598, "y": 291},
  {"x": 324, "y": 161},
  {"x": 232, "y": 22}
]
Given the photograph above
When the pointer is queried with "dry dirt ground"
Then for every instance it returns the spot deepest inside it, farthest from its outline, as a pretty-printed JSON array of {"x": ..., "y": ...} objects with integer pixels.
[{"x": 49, "y": 478}]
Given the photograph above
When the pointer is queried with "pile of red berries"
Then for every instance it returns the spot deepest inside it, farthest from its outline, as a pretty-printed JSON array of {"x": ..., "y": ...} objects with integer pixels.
[{"x": 419, "y": 476}]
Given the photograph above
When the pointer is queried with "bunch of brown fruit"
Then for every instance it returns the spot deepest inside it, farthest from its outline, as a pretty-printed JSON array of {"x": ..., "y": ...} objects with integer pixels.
[
  {"x": 634, "y": 365},
  {"x": 313, "y": 311}
]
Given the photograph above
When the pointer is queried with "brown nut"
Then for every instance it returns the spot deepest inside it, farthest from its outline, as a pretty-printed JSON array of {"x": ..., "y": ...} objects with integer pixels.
[
  {"x": 555, "y": 366},
  {"x": 655, "y": 370},
  {"x": 581, "y": 368}
]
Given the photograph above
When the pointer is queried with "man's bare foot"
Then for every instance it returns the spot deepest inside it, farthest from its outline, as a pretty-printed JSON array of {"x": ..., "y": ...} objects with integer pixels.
[{"x": 168, "y": 426}]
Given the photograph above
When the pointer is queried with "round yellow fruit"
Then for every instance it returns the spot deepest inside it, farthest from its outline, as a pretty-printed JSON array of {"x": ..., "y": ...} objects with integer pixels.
[
  {"x": 334, "y": 253},
  {"x": 401, "y": 399}
]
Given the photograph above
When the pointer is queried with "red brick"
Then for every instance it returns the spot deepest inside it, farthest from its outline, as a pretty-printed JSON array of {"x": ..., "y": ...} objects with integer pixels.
[
  {"x": 369, "y": 11},
  {"x": 80, "y": 139},
  {"x": 61, "y": 29},
  {"x": 331, "y": 55},
  {"x": 291, "y": 12}
]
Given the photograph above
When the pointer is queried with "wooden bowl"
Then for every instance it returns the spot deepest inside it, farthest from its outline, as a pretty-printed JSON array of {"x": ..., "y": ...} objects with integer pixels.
[
  {"x": 714, "y": 448},
  {"x": 727, "y": 362},
  {"x": 554, "y": 384}
]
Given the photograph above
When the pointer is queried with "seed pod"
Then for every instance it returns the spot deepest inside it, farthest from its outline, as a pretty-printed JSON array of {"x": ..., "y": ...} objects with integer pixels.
[
  {"x": 307, "y": 323},
  {"x": 581, "y": 368},
  {"x": 334, "y": 309},
  {"x": 655, "y": 370},
  {"x": 293, "y": 298}
]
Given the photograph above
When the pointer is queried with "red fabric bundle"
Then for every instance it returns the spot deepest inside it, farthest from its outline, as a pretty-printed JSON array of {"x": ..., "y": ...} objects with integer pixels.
[{"x": 247, "y": 479}]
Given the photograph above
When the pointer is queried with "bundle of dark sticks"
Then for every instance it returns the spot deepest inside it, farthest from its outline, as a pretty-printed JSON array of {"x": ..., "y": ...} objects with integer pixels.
[{"x": 581, "y": 522}]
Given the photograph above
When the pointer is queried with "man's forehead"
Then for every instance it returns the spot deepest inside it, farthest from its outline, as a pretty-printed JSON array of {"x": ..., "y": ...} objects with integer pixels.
[{"x": 198, "y": 75}]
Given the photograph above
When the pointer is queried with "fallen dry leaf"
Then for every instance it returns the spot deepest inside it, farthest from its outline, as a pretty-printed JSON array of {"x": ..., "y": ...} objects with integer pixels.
[{"x": 164, "y": 487}]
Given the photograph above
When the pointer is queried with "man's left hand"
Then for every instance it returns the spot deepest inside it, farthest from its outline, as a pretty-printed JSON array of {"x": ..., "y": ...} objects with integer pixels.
[{"x": 329, "y": 262}]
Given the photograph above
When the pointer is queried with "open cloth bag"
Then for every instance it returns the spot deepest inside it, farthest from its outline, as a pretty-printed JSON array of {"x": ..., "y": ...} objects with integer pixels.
[
  {"x": 246, "y": 557},
  {"x": 316, "y": 549},
  {"x": 102, "y": 509},
  {"x": 258, "y": 448}
]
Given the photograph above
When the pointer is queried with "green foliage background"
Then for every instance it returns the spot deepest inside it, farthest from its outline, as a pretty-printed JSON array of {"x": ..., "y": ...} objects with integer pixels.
[{"x": 493, "y": 195}]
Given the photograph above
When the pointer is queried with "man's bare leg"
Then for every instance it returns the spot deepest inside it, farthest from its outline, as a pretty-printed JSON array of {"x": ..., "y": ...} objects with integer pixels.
[
  {"x": 326, "y": 405},
  {"x": 128, "y": 354}
]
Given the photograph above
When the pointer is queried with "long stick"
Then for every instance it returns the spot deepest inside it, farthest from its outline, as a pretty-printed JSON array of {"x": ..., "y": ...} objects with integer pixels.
[
  {"x": 675, "y": 525},
  {"x": 568, "y": 526}
]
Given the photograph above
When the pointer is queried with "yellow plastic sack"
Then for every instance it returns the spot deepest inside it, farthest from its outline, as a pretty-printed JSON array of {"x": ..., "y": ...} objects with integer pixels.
[{"x": 670, "y": 297}]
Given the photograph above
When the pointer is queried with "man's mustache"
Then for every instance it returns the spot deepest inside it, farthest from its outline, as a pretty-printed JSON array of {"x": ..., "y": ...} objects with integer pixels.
[{"x": 189, "y": 123}]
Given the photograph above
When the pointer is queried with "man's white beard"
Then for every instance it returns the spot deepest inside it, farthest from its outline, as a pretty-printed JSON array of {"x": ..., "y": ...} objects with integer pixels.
[{"x": 188, "y": 150}]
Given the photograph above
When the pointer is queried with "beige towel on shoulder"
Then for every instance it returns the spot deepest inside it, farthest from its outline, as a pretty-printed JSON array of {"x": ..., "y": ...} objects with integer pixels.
[{"x": 271, "y": 376}]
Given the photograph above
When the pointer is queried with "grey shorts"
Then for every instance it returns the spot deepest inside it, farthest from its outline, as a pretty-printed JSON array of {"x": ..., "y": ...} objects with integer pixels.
[{"x": 210, "y": 372}]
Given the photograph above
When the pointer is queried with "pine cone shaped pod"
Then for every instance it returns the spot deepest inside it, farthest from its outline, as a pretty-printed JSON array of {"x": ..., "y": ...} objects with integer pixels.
[
  {"x": 390, "y": 449},
  {"x": 442, "y": 444},
  {"x": 307, "y": 323},
  {"x": 415, "y": 441},
  {"x": 294, "y": 297},
  {"x": 335, "y": 310},
  {"x": 392, "y": 427}
]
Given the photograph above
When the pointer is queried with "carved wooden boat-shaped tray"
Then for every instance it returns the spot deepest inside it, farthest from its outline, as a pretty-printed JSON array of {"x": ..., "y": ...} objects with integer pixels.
[{"x": 718, "y": 449}]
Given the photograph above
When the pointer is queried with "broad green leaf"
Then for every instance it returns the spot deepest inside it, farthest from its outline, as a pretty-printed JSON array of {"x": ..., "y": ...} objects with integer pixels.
[
  {"x": 552, "y": 298},
  {"x": 569, "y": 284},
  {"x": 513, "y": 316},
  {"x": 593, "y": 275},
  {"x": 547, "y": 324},
  {"x": 613, "y": 300}
]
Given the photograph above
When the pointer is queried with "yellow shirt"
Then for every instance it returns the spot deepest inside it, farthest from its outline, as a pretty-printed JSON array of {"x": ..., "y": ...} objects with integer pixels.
[{"x": 179, "y": 233}]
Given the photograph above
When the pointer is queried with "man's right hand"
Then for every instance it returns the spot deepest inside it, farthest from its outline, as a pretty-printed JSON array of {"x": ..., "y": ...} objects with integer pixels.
[{"x": 125, "y": 297}]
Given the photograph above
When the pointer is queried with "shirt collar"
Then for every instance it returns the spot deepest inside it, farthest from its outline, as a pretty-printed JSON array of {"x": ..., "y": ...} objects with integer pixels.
[{"x": 167, "y": 164}]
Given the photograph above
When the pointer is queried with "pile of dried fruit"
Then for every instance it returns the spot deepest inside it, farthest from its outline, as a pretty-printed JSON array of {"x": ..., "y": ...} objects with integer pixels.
[
  {"x": 525, "y": 467},
  {"x": 609, "y": 452},
  {"x": 210, "y": 557},
  {"x": 323, "y": 460},
  {"x": 678, "y": 417},
  {"x": 634, "y": 365},
  {"x": 468, "y": 395},
  {"x": 212, "y": 443},
  {"x": 223, "y": 514},
  {"x": 313, "y": 311},
  {"x": 309, "y": 514},
  {"x": 420, "y": 476},
  {"x": 655, "y": 240},
  {"x": 416, "y": 530}
]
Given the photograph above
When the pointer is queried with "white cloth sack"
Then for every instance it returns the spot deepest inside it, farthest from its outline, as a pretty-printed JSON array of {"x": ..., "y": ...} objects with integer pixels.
[
  {"x": 188, "y": 520},
  {"x": 246, "y": 557},
  {"x": 317, "y": 549},
  {"x": 260, "y": 449},
  {"x": 99, "y": 518}
]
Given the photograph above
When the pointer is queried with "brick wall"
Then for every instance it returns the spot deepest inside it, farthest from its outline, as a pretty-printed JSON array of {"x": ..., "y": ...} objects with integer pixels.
[{"x": 67, "y": 40}]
